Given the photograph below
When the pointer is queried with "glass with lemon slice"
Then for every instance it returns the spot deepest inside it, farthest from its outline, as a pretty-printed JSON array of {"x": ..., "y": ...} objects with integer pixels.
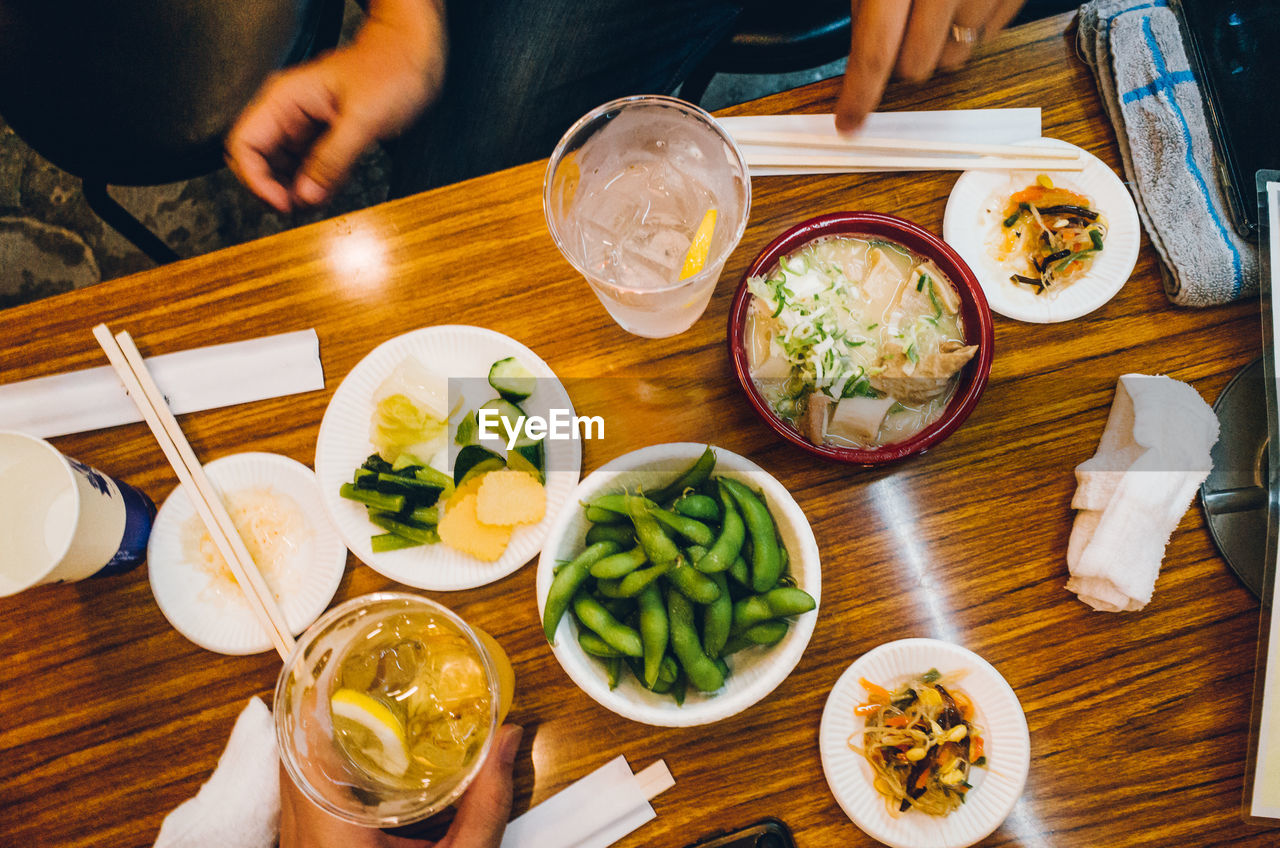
[
  {"x": 387, "y": 707},
  {"x": 647, "y": 197}
]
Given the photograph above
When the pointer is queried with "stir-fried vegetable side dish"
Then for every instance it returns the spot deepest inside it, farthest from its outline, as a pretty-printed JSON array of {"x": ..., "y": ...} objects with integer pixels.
[
  {"x": 674, "y": 580},
  {"x": 1049, "y": 236},
  {"x": 855, "y": 341},
  {"x": 921, "y": 742}
]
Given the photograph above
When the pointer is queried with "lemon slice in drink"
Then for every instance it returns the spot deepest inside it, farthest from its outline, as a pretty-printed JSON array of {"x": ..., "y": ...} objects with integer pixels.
[
  {"x": 371, "y": 729},
  {"x": 701, "y": 245}
]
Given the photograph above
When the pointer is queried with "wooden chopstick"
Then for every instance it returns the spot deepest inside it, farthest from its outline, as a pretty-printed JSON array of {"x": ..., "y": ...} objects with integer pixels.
[
  {"x": 132, "y": 370},
  {"x": 782, "y": 138},
  {"x": 832, "y": 162}
]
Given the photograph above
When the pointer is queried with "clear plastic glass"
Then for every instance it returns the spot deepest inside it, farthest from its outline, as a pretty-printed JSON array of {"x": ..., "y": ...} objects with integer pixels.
[
  {"x": 368, "y": 707},
  {"x": 626, "y": 191}
]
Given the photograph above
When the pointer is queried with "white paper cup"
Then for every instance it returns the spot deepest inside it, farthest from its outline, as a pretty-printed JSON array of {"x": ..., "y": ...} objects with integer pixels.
[{"x": 61, "y": 520}]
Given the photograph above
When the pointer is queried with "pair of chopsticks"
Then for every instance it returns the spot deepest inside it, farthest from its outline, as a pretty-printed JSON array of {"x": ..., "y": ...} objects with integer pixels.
[
  {"x": 821, "y": 153},
  {"x": 132, "y": 370}
]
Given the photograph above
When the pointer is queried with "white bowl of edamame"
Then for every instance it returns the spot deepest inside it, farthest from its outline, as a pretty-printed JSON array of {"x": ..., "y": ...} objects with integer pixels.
[{"x": 694, "y": 540}]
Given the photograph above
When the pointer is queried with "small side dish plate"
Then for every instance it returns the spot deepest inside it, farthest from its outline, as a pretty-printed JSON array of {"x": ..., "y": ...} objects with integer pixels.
[
  {"x": 754, "y": 672},
  {"x": 996, "y": 787},
  {"x": 972, "y": 222},
  {"x": 454, "y": 351},
  {"x": 207, "y": 609}
]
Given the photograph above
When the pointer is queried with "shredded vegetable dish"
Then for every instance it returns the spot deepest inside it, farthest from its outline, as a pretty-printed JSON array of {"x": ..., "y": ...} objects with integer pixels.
[
  {"x": 1049, "y": 236},
  {"x": 921, "y": 742}
]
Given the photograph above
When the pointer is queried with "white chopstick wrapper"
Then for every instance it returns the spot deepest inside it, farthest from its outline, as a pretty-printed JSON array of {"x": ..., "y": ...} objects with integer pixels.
[
  {"x": 1130, "y": 496},
  {"x": 192, "y": 380},
  {"x": 976, "y": 126},
  {"x": 593, "y": 812}
]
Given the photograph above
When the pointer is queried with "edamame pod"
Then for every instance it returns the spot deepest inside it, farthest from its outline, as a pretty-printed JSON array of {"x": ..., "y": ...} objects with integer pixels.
[
  {"x": 595, "y": 646},
  {"x": 693, "y": 584},
  {"x": 776, "y": 603},
  {"x": 690, "y": 479},
  {"x": 598, "y": 515},
  {"x": 653, "y": 632},
  {"x": 633, "y": 584},
  {"x": 657, "y": 545},
  {"x": 717, "y": 618},
  {"x": 613, "y": 671},
  {"x": 689, "y": 528},
  {"x": 766, "y": 562},
  {"x": 728, "y": 544},
  {"x": 740, "y": 572},
  {"x": 596, "y": 618},
  {"x": 620, "y": 533},
  {"x": 566, "y": 582},
  {"x": 767, "y": 632},
  {"x": 619, "y": 564},
  {"x": 698, "y": 667},
  {"x": 698, "y": 506}
]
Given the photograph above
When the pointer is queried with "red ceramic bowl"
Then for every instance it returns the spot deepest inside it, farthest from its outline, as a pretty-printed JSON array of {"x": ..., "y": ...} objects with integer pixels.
[{"x": 975, "y": 313}]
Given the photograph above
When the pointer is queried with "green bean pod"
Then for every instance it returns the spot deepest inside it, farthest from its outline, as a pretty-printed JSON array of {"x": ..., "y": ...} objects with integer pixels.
[
  {"x": 565, "y": 585},
  {"x": 693, "y": 584},
  {"x": 658, "y": 546},
  {"x": 653, "y": 632},
  {"x": 619, "y": 564},
  {"x": 592, "y": 615},
  {"x": 690, "y": 479},
  {"x": 698, "y": 506},
  {"x": 698, "y": 667},
  {"x": 728, "y": 544},
  {"x": 717, "y": 618},
  {"x": 766, "y": 562}
]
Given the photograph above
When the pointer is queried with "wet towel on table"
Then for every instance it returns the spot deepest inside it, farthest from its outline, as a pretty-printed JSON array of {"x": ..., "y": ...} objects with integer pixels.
[
  {"x": 1136, "y": 51},
  {"x": 239, "y": 806},
  {"x": 1132, "y": 493}
]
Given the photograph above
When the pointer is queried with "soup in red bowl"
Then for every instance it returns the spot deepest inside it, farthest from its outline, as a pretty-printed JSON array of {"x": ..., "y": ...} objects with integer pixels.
[{"x": 861, "y": 337}]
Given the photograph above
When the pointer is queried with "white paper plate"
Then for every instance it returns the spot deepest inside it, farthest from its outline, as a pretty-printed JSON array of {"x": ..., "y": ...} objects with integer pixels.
[
  {"x": 996, "y": 788},
  {"x": 454, "y": 351},
  {"x": 973, "y": 218},
  {"x": 210, "y": 611},
  {"x": 756, "y": 671}
]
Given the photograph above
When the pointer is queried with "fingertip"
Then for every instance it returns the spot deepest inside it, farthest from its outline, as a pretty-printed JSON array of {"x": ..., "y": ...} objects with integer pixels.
[
  {"x": 509, "y": 743},
  {"x": 308, "y": 191}
]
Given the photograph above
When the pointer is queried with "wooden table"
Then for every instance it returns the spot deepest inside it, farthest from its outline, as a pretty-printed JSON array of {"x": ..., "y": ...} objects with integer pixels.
[{"x": 109, "y": 718}]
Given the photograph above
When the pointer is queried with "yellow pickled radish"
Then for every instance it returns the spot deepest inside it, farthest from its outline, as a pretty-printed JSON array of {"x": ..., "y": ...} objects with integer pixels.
[
  {"x": 382, "y": 731},
  {"x": 701, "y": 245}
]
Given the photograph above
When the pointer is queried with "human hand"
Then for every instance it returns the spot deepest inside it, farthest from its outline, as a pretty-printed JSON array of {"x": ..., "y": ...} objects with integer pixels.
[
  {"x": 480, "y": 822},
  {"x": 911, "y": 38},
  {"x": 296, "y": 142}
]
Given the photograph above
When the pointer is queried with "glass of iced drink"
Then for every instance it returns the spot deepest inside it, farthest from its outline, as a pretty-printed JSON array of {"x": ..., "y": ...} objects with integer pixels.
[
  {"x": 387, "y": 708},
  {"x": 647, "y": 197}
]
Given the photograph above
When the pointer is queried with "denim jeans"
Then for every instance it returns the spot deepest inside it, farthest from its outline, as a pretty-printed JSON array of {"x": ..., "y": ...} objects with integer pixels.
[{"x": 521, "y": 71}]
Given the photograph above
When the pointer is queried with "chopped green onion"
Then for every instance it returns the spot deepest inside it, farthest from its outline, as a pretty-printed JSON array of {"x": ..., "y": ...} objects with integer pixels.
[
  {"x": 1096, "y": 238},
  {"x": 912, "y": 355}
]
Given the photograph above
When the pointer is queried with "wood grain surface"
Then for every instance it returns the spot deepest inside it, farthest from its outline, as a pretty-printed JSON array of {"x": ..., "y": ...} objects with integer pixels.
[{"x": 109, "y": 718}]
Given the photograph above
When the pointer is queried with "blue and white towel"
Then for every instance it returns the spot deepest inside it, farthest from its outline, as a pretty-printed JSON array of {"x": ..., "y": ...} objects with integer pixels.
[{"x": 1136, "y": 51}]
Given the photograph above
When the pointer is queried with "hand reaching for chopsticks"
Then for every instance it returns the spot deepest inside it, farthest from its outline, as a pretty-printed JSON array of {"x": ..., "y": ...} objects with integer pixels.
[{"x": 910, "y": 39}]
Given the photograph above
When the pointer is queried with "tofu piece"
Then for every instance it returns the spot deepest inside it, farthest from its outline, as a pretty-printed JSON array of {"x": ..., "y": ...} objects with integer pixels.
[{"x": 858, "y": 419}]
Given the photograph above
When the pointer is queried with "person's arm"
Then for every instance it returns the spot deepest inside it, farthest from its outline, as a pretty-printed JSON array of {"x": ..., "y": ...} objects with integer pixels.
[
  {"x": 295, "y": 143},
  {"x": 480, "y": 822},
  {"x": 910, "y": 38}
]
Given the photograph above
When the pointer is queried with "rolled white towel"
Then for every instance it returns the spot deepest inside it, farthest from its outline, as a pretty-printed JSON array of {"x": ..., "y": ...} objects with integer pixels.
[
  {"x": 1132, "y": 493},
  {"x": 239, "y": 805}
]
